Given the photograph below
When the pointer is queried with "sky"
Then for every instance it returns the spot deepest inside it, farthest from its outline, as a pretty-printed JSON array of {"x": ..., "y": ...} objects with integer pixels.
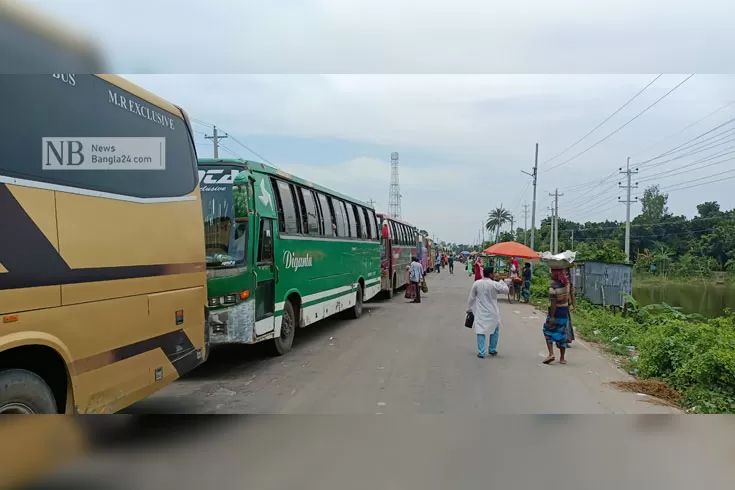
[{"x": 409, "y": 85}]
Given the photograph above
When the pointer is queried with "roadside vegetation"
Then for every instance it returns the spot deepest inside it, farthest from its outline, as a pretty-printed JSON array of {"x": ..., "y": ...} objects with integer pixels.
[{"x": 693, "y": 355}]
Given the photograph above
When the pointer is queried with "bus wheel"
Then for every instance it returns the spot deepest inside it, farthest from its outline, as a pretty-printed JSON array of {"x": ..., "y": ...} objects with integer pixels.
[
  {"x": 24, "y": 392},
  {"x": 389, "y": 292},
  {"x": 356, "y": 311},
  {"x": 283, "y": 343}
]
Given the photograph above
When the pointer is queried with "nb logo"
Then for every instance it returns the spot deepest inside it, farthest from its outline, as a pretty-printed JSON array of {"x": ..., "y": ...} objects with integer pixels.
[{"x": 63, "y": 152}]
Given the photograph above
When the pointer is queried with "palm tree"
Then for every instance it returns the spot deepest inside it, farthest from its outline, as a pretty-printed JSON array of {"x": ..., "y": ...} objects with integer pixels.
[
  {"x": 662, "y": 254},
  {"x": 496, "y": 219}
]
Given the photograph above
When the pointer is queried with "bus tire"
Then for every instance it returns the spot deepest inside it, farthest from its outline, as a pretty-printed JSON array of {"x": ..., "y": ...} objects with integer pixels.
[
  {"x": 356, "y": 311},
  {"x": 389, "y": 291},
  {"x": 25, "y": 392},
  {"x": 282, "y": 344}
]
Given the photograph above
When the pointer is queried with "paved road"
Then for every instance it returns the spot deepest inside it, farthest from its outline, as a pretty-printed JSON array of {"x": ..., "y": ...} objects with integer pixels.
[{"x": 401, "y": 358}]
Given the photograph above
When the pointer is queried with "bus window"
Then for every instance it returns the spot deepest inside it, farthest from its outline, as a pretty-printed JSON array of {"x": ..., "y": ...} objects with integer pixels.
[
  {"x": 363, "y": 223},
  {"x": 328, "y": 221},
  {"x": 339, "y": 217},
  {"x": 312, "y": 219},
  {"x": 265, "y": 241},
  {"x": 393, "y": 232},
  {"x": 402, "y": 231},
  {"x": 290, "y": 221},
  {"x": 347, "y": 221},
  {"x": 354, "y": 223}
]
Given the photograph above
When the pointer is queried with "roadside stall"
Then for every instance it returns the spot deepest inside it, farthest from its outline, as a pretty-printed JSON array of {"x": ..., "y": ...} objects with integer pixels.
[{"x": 504, "y": 253}]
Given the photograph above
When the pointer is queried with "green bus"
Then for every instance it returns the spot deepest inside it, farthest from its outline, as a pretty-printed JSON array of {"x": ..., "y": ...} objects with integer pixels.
[{"x": 282, "y": 252}]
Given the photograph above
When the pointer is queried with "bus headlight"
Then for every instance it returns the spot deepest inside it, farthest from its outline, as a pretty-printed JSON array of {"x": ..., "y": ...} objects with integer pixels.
[
  {"x": 230, "y": 298},
  {"x": 214, "y": 302}
]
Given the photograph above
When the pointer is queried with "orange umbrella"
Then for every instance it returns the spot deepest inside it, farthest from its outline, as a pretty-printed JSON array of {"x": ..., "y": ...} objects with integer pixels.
[{"x": 511, "y": 249}]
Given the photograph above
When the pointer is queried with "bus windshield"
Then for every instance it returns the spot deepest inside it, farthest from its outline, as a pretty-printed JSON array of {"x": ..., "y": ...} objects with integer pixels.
[{"x": 225, "y": 239}]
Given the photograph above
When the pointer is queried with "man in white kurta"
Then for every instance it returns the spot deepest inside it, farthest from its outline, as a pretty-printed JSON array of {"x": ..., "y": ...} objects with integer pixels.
[{"x": 483, "y": 303}]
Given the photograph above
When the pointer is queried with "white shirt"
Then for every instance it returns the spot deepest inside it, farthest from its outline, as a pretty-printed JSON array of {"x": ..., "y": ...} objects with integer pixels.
[
  {"x": 483, "y": 303},
  {"x": 415, "y": 272}
]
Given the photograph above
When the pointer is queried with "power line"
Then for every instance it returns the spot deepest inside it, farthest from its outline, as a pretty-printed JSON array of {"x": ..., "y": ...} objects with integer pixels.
[
  {"x": 604, "y": 121},
  {"x": 624, "y": 125},
  {"x": 252, "y": 151},
  {"x": 668, "y": 174},
  {"x": 658, "y": 164},
  {"x": 673, "y": 188},
  {"x": 675, "y": 149},
  {"x": 684, "y": 129}
]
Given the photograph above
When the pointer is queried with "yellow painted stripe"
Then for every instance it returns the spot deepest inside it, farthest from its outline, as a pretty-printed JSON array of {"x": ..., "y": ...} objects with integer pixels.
[{"x": 134, "y": 89}]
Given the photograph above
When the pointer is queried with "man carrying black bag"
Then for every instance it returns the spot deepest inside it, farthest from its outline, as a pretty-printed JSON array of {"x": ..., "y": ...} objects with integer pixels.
[
  {"x": 415, "y": 273},
  {"x": 483, "y": 304}
]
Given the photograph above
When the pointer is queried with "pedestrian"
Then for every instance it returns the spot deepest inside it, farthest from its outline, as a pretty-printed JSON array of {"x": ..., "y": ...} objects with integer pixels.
[
  {"x": 555, "y": 327},
  {"x": 410, "y": 287},
  {"x": 526, "y": 291},
  {"x": 438, "y": 263},
  {"x": 478, "y": 268},
  {"x": 451, "y": 264},
  {"x": 469, "y": 266},
  {"x": 573, "y": 303},
  {"x": 483, "y": 303},
  {"x": 415, "y": 274}
]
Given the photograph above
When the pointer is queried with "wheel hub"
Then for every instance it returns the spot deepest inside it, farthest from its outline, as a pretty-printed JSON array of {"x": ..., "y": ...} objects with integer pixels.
[{"x": 16, "y": 408}]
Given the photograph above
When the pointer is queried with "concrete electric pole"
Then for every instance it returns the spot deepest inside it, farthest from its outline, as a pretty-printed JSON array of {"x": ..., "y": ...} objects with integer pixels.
[
  {"x": 533, "y": 209},
  {"x": 555, "y": 222},
  {"x": 215, "y": 139},
  {"x": 525, "y": 224},
  {"x": 627, "y": 172}
]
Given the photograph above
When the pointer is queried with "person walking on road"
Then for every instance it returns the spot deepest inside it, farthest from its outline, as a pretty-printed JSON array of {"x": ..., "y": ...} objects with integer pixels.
[
  {"x": 573, "y": 304},
  {"x": 469, "y": 266},
  {"x": 555, "y": 327},
  {"x": 526, "y": 291},
  {"x": 415, "y": 273},
  {"x": 483, "y": 303},
  {"x": 478, "y": 269},
  {"x": 451, "y": 264},
  {"x": 438, "y": 263}
]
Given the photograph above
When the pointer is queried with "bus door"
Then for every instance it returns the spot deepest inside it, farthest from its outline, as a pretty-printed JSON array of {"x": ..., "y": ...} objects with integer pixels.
[{"x": 266, "y": 277}]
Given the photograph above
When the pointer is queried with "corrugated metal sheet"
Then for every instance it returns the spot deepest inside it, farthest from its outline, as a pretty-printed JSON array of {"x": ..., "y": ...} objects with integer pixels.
[{"x": 602, "y": 283}]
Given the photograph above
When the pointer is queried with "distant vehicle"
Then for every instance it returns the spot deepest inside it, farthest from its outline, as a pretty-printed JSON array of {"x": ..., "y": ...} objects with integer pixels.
[
  {"x": 282, "y": 252},
  {"x": 399, "y": 242}
]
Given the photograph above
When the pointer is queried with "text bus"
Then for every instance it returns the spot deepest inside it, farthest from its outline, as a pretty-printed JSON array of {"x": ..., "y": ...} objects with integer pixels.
[
  {"x": 282, "y": 252},
  {"x": 102, "y": 273},
  {"x": 399, "y": 242}
]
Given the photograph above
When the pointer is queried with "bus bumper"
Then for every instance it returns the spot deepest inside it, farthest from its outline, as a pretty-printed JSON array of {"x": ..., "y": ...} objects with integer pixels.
[{"x": 232, "y": 325}]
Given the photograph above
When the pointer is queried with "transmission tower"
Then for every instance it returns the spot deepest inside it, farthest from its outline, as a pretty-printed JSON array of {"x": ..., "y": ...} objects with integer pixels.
[{"x": 394, "y": 200}]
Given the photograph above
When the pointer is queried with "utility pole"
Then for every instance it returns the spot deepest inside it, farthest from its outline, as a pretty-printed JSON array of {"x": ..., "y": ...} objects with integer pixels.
[
  {"x": 215, "y": 139},
  {"x": 533, "y": 210},
  {"x": 555, "y": 222},
  {"x": 551, "y": 234},
  {"x": 628, "y": 172},
  {"x": 572, "y": 239},
  {"x": 512, "y": 232},
  {"x": 371, "y": 202},
  {"x": 525, "y": 223}
]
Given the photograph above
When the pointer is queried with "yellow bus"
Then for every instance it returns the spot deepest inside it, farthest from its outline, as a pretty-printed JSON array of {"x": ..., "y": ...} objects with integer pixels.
[{"x": 102, "y": 265}]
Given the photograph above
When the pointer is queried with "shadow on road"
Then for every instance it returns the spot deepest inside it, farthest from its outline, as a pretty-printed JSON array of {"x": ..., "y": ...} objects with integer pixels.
[{"x": 235, "y": 360}]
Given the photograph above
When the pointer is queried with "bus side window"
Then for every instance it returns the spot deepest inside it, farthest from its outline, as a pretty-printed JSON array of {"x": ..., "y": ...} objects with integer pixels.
[
  {"x": 265, "y": 241},
  {"x": 302, "y": 209},
  {"x": 279, "y": 205},
  {"x": 288, "y": 205},
  {"x": 327, "y": 216},
  {"x": 312, "y": 214},
  {"x": 349, "y": 220},
  {"x": 362, "y": 214},
  {"x": 355, "y": 231},
  {"x": 339, "y": 217}
]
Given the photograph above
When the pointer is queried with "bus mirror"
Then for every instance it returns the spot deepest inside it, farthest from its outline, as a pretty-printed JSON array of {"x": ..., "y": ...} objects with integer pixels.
[{"x": 241, "y": 200}]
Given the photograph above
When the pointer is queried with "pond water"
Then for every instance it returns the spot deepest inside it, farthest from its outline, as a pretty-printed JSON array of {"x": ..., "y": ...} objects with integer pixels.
[{"x": 710, "y": 300}]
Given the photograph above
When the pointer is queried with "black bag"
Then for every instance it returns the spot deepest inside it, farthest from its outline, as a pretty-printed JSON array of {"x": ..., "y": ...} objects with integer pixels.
[{"x": 470, "y": 320}]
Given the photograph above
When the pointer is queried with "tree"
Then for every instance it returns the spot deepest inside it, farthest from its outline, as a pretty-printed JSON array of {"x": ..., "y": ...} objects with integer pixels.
[
  {"x": 496, "y": 219},
  {"x": 654, "y": 205},
  {"x": 506, "y": 236},
  {"x": 709, "y": 209}
]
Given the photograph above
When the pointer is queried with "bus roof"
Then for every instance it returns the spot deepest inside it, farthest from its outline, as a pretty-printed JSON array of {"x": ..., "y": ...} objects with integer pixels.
[
  {"x": 138, "y": 91},
  {"x": 383, "y": 215},
  {"x": 267, "y": 169}
]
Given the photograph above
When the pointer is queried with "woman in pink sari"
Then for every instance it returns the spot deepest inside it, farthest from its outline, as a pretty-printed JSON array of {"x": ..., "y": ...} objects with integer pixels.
[{"x": 478, "y": 269}]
